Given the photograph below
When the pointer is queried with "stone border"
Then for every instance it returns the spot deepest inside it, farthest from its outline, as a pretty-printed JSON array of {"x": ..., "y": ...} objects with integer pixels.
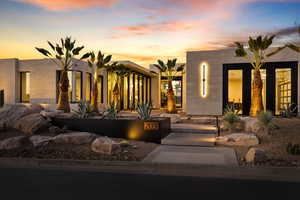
[{"x": 245, "y": 173}]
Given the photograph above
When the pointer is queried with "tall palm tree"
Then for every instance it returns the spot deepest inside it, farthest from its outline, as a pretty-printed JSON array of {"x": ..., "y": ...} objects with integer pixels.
[
  {"x": 121, "y": 72},
  {"x": 294, "y": 47},
  {"x": 96, "y": 63},
  {"x": 62, "y": 55},
  {"x": 257, "y": 55},
  {"x": 170, "y": 69}
]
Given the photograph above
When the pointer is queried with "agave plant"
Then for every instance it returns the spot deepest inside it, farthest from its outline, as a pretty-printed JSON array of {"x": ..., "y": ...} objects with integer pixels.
[
  {"x": 289, "y": 110},
  {"x": 96, "y": 63},
  {"x": 144, "y": 110},
  {"x": 84, "y": 110},
  {"x": 231, "y": 121},
  {"x": 257, "y": 56},
  {"x": 62, "y": 55},
  {"x": 111, "y": 112},
  {"x": 265, "y": 121}
]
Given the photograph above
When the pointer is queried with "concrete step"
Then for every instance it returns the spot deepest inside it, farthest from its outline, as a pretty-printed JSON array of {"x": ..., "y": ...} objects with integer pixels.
[
  {"x": 189, "y": 139},
  {"x": 193, "y": 128}
]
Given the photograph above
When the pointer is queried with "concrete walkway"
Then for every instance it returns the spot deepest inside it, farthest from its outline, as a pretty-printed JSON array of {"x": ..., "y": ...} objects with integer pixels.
[
  {"x": 193, "y": 155},
  {"x": 189, "y": 139},
  {"x": 193, "y": 128}
]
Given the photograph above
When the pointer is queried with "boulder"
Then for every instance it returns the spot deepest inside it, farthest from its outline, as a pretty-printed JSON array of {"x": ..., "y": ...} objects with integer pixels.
[
  {"x": 238, "y": 139},
  {"x": 2, "y": 126},
  {"x": 39, "y": 140},
  {"x": 175, "y": 118},
  {"x": 77, "y": 138},
  {"x": 105, "y": 145},
  {"x": 56, "y": 130},
  {"x": 13, "y": 143},
  {"x": 10, "y": 114},
  {"x": 256, "y": 155},
  {"x": 31, "y": 124},
  {"x": 251, "y": 125}
]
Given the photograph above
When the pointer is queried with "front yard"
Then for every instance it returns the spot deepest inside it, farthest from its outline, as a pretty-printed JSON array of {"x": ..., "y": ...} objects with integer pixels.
[{"x": 275, "y": 144}]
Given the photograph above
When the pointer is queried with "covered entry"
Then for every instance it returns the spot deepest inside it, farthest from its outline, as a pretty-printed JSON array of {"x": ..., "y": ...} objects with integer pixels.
[{"x": 280, "y": 88}]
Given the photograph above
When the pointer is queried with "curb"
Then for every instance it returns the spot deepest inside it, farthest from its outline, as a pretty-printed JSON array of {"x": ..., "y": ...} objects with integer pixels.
[{"x": 204, "y": 171}]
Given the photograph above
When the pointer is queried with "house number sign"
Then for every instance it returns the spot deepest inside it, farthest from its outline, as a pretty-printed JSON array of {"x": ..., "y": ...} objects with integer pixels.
[{"x": 151, "y": 126}]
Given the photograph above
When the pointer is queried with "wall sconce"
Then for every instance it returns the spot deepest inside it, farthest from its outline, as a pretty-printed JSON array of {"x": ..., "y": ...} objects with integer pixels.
[{"x": 203, "y": 84}]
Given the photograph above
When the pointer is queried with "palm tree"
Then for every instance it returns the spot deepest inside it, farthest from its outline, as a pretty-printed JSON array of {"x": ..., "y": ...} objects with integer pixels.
[
  {"x": 96, "y": 63},
  {"x": 121, "y": 72},
  {"x": 62, "y": 55},
  {"x": 257, "y": 55},
  {"x": 294, "y": 47},
  {"x": 170, "y": 69}
]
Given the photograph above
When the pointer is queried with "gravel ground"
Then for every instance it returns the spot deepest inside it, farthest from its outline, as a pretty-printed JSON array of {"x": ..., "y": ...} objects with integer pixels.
[
  {"x": 275, "y": 144},
  {"x": 136, "y": 151}
]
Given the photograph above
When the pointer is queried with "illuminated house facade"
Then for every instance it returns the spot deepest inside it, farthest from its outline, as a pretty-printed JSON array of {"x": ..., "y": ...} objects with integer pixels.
[
  {"x": 215, "y": 79},
  {"x": 36, "y": 81}
]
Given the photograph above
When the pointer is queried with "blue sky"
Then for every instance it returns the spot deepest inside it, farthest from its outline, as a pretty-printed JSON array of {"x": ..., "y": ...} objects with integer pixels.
[{"x": 139, "y": 30}]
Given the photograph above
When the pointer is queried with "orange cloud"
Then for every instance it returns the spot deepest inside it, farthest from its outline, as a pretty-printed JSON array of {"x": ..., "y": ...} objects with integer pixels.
[{"x": 61, "y": 5}]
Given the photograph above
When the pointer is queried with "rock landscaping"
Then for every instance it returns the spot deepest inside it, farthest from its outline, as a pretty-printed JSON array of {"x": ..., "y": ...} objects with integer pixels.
[{"x": 271, "y": 149}]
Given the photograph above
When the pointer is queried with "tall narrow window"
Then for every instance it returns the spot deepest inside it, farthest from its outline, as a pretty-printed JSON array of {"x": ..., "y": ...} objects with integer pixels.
[
  {"x": 204, "y": 80},
  {"x": 235, "y": 90},
  {"x": 100, "y": 89},
  {"x": 283, "y": 89},
  {"x": 70, "y": 92},
  {"x": 25, "y": 87},
  {"x": 88, "y": 87},
  {"x": 78, "y": 88}
]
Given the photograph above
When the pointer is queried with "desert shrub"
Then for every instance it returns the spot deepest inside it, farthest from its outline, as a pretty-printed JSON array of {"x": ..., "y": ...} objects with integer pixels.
[
  {"x": 111, "y": 112},
  {"x": 289, "y": 111},
  {"x": 293, "y": 149},
  {"x": 231, "y": 121},
  {"x": 265, "y": 120},
  {"x": 84, "y": 110},
  {"x": 144, "y": 110}
]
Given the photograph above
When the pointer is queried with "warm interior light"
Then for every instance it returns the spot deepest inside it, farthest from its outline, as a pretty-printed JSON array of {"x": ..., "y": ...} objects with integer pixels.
[{"x": 203, "y": 84}]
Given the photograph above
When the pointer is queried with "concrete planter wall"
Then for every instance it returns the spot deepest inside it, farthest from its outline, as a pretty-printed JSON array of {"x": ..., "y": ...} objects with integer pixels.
[{"x": 150, "y": 131}]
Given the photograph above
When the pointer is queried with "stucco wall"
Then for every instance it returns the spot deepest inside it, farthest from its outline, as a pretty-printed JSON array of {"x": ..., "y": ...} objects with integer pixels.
[
  {"x": 213, "y": 103},
  {"x": 8, "y": 76}
]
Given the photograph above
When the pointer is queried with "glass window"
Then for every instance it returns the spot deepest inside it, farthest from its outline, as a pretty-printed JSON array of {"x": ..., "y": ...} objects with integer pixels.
[
  {"x": 177, "y": 89},
  {"x": 136, "y": 89},
  {"x": 70, "y": 93},
  {"x": 78, "y": 88},
  {"x": 235, "y": 90},
  {"x": 88, "y": 87},
  {"x": 100, "y": 89},
  {"x": 125, "y": 92},
  {"x": 283, "y": 89},
  {"x": 25, "y": 86},
  {"x": 148, "y": 90},
  {"x": 131, "y": 91},
  {"x": 141, "y": 89}
]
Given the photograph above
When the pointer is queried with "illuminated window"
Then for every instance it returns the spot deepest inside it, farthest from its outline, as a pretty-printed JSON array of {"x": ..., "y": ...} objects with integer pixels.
[
  {"x": 204, "y": 80},
  {"x": 25, "y": 87},
  {"x": 88, "y": 87}
]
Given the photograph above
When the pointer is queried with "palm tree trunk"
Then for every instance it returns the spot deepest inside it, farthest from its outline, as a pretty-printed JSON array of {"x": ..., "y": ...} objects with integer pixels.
[
  {"x": 63, "y": 98},
  {"x": 171, "y": 106},
  {"x": 94, "y": 100},
  {"x": 256, "y": 101}
]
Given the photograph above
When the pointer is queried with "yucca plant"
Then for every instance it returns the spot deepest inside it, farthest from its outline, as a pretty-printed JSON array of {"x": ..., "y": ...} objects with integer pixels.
[
  {"x": 144, "y": 110},
  {"x": 63, "y": 55},
  {"x": 265, "y": 121},
  {"x": 96, "y": 63},
  {"x": 257, "y": 55},
  {"x": 231, "y": 108},
  {"x": 170, "y": 69},
  {"x": 84, "y": 110}
]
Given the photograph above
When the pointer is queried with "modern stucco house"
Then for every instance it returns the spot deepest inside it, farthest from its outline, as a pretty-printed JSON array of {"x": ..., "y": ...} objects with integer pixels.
[
  {"x": 36, "y": 81},
  {"x": 216, "y": 79},
  {"x": 212, "y": 80}
]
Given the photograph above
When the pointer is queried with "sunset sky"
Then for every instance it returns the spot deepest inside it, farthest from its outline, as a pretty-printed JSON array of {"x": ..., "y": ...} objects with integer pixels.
[{"x": 142, "y": 30}]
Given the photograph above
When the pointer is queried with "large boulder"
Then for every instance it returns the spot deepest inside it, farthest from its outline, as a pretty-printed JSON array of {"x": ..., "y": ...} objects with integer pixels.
[
  {"x": 56, "y": 130},
  {"x": 31, "y": 124},
  {"x": 175, "y": 118},
  {"x": 39, "y": 140},
  {"x": 238, "y": 139},
  {"x": 251, "y": 125},
  {"x": 105, "y": 145},
  {"x": 10, "y": 114},
  {"x": 77, "y": 138},
  {"x": 13, "y": 143},
  {"x": 256, "y": 155},
  {"x": 2, "y": 126}
]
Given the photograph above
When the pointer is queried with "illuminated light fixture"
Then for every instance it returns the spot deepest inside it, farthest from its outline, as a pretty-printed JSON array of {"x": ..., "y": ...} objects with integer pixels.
[{"x": 203, "y": 84}]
